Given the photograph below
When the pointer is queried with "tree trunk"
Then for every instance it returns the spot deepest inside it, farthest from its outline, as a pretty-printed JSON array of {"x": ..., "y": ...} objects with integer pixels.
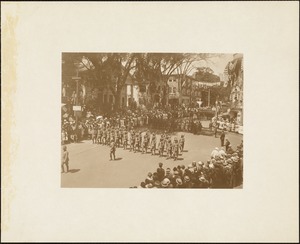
[{"x": 117, "y": 97}]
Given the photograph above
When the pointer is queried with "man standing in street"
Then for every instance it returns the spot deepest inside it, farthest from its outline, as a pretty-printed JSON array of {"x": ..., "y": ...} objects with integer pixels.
[
  {"x": 112, "y": 150},
  {"x": 227, "y": 143},
  {"x": 65, "y": 160},
  {"x": 222, "y": 138}
]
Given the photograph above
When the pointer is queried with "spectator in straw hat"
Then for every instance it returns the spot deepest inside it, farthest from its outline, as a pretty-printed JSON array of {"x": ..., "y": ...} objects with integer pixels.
[
  {"x": 165, "y": 183},
  {"x": 215, "y": 152}
]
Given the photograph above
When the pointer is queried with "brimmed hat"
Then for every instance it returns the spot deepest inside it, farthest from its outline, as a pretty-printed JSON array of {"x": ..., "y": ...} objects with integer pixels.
[
  {"x": 201, "y": 178},
  {"x": 235, "y": 159},
  {"x": 200, "y": 163},
  {"x": 165, "y": 182},
  {"x": 211, "y": 165},
  {"x": 186, "y": 178},
  {"x": 179, "y": 181},
  {"x": 149, "y": 185}
]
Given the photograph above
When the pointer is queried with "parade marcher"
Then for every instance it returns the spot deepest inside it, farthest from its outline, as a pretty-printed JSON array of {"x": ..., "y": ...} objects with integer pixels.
[
  {"x": 169, "y": 148},
  {"x": 145, "y": 144},
  {"x": 181, "y": 143},
  {"x": 99, "y": 135},
  {"x": 125, "y": 139},
  {"x": 112, "y": 150},
  {"x": 175, "y": 149},
  {"x": 153, "y": 144},
  {"x": 136, "y": 143},
  {"x": 140, "y": 139},
  {"x": 65, "y": 159},
  {"x": 132, "y": 141},
  {"x": 161, "y": 147}
]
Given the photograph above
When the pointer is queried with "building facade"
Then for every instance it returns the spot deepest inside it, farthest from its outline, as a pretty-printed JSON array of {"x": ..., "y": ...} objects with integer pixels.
[{"x": 234, "y": 75}]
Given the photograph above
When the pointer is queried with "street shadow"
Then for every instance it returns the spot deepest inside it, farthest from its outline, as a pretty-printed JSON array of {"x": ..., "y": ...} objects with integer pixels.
[
  {"x": 179, "y": 159},
  {"x": 185, "y": 150},
  {"x": 117, "y": 159},
  {"x": 74, "y": 170}
]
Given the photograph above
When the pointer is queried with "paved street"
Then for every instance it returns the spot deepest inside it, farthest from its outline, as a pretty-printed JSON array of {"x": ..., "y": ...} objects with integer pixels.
[{"x": 90, "y": 165}]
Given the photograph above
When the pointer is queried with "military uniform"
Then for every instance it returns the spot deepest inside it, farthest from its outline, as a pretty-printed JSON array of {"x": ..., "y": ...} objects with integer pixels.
[
  {"x": 169, "y": 148},
  {"x": 175, "y": 149},
  {"x": 125, "y": 139},
  {"x": 94, "y": 133},
  {"x": 153, "y": 144},
  {"x": 161, "y": 147},
  {"x": 145, "y": 143},
  {"x": 137, "y": 143},
  {"x": 181, "y": 143}
]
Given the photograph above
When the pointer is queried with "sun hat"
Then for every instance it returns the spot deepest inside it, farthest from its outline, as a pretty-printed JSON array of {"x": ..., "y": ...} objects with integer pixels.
[
  {"x": 179, "y": 181},
  {"x": 165, "y": 182},
  {"x": 149, "y": 185},
  {"x": 186, "y": 178},
  {"x": 201, "y": 178},
  {"x": 200, "y": 163}
]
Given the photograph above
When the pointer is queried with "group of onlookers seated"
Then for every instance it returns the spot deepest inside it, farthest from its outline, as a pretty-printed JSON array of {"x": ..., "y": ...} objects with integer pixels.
[{"x": 222, "y": 170}]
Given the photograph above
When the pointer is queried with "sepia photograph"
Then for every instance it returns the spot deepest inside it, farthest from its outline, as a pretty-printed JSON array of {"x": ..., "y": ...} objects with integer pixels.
[
  {"x": 152, "y": 120},
  {"x": 101, "y": 99}
]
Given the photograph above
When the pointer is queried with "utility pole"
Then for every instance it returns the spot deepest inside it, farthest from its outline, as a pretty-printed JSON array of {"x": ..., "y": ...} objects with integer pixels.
[
  {"x": 208, "y": 97},
  {"x": 76, "y": 110}
]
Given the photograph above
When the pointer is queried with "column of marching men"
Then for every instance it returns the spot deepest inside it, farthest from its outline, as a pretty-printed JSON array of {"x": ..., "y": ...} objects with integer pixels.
[{"x": 138, "y": 140}]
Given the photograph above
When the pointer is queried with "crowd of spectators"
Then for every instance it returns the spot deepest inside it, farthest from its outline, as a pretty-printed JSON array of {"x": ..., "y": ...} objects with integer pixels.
[{"x": 224, "y": 169}]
